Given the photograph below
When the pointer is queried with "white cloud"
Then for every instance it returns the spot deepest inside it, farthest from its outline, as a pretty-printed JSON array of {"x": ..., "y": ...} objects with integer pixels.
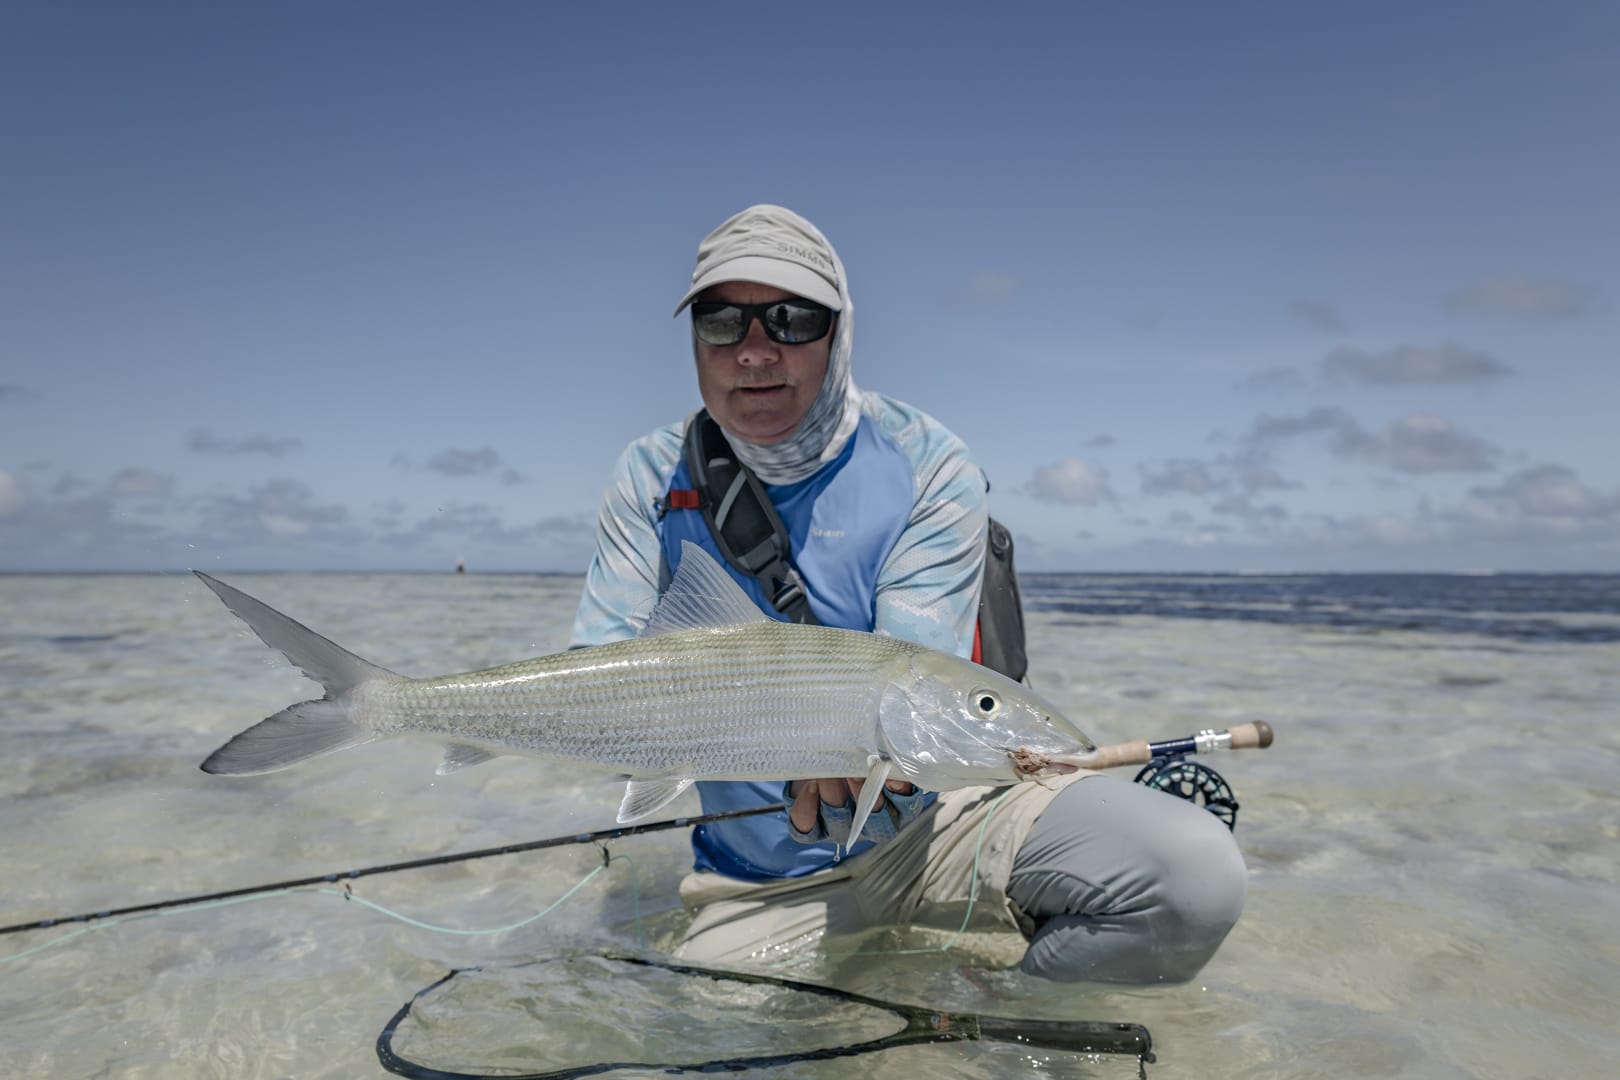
[
  {"x": 1544, "y": 493},
  {"x": 1258, "y": 475},
  {"x": 13, "y": 495},
  {"x": 1318, "y": 316},
  {"x": 1071, "y": 482},
  {"x": 274, "y": 511},
  {"x": 456, "y": 462},
  {"x": 1524, "y": 298},
  {"x": 41, "y": 532},
  {"x": 1182, "y": 476},
  {"x": 136, "y": 520},
  {"x": 465, "y": 462},
  {"x": 1422, "y": 444},
  {"x": 279, "y": 524},
  {"x": 1268, "y": 429},
  {"x": 203, "y": 441},
  {"x": 140, "y": 484},
  {"x": 1252, "y": 513},
  {"x": 1412, "y": 366},
  {"x": 477, "y": 526},
  {"x": 1414, "y": 444},
  {"x": 1277, "y": 378}
]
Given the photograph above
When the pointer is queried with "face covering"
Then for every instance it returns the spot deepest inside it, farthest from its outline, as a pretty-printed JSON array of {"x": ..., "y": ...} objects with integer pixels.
[{"x": 774, "y": 246}]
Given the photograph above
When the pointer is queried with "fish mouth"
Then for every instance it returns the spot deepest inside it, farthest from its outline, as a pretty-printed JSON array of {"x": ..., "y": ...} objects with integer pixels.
[{"x": 1028, "y": 765}]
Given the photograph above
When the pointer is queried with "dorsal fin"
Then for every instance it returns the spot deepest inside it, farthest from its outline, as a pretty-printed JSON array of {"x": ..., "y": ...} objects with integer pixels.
[{"x": 702, "y": 596}]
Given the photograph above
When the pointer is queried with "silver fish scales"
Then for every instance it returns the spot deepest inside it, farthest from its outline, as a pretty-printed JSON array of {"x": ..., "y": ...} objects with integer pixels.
[{"x": 713, "y": 689}]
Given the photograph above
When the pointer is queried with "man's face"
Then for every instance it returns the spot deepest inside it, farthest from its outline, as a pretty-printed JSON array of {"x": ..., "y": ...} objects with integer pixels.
[{"x": 757, "y": 388}]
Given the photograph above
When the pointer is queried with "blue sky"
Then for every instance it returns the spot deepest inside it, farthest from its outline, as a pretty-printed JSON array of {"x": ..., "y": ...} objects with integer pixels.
[{"x": 1205, "y": 286}]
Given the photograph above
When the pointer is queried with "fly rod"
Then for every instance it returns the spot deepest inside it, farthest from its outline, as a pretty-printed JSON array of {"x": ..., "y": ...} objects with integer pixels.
[
  {"x": 1256, "y": 735},
  {"x": 392, "y": 868}
]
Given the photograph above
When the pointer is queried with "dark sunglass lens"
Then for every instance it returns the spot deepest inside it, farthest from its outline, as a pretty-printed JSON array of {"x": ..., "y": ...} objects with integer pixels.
[
  {"x": 718, "y": 324},
  {"x": 795, "y": 324}
]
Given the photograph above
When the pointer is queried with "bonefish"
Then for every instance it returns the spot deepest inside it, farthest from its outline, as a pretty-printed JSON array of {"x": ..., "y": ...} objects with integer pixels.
[{"x": 713, "y": 689}]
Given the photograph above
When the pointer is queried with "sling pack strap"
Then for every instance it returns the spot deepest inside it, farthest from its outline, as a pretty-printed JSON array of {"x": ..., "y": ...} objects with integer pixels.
[
  {"x": 750, "y": 534},
  {"x": 746, "y": 527}
]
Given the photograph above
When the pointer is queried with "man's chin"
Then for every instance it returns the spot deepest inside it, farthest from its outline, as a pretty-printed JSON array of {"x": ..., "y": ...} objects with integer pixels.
[
  {"x": 764, "y": 431},
  {"x": 762, "y": 424},
  {"x": 766, "y": 436}
]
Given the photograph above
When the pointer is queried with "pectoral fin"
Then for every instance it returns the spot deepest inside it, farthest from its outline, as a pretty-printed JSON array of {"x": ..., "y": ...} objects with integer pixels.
[
  {"x": 646, "y": 796},
  {"x": 871, "y": 791},
  {"x": 461, "y": 756}
]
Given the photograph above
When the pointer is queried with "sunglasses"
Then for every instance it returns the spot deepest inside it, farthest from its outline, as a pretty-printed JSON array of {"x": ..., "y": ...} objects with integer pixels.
[{"x": 786, "y": 322}]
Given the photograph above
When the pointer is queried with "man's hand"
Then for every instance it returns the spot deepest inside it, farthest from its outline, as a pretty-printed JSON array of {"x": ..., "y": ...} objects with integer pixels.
[{"x": 808, "y": 795}]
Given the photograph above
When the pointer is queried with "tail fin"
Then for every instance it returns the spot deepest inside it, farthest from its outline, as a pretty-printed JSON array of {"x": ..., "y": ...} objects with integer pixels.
[{"x": 310, "y": 728}]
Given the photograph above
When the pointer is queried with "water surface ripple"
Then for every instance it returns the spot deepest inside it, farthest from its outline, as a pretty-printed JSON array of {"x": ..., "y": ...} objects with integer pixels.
[{"x": 1433, "y": 843}]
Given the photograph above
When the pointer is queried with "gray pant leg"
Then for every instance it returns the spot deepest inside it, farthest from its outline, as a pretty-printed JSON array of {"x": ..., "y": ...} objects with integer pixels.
[{"x": 1126, "y": 884}]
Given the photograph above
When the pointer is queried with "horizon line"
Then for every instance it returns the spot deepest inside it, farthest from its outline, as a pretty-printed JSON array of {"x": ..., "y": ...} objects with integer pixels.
[{"x": 1241, "y": 572}]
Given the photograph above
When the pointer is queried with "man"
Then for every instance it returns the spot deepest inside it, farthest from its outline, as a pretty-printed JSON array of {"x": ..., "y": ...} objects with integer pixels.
[{"x": 887, "y": 517}]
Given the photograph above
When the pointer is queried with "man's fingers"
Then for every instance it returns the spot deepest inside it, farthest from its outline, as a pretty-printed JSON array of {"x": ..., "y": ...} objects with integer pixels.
[
  {"x": 805, "y": 808},
  {"x": 833, "y": 791},
  {"x": 855, "y": 784}
]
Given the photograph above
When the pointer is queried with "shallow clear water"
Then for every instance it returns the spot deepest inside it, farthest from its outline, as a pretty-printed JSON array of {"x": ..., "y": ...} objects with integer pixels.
[{"x": 1433, "y": 842}]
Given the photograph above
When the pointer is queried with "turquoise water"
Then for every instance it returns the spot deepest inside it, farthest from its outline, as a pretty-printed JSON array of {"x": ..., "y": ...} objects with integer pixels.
[{"x": 1433, "y": 842}]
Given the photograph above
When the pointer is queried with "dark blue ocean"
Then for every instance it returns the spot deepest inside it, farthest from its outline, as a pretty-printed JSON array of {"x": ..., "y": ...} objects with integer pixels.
[{"x": 1522, "y": 607}]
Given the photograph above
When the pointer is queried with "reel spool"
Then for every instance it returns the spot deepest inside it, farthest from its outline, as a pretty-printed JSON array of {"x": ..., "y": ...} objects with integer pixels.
[{"x": 1197, "y": 783}]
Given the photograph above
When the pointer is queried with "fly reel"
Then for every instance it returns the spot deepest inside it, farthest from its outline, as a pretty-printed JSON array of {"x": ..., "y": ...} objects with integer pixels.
[{"x": 1197, "y": 783}]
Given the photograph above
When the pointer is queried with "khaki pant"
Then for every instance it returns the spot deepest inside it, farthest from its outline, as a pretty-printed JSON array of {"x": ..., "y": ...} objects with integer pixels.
[{"x": 955, "y": 859}]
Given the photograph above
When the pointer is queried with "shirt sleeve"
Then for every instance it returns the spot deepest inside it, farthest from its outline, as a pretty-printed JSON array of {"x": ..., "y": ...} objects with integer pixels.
[
  {"x": 928, "y": 587},
  {"x": 627, "y": 568}
]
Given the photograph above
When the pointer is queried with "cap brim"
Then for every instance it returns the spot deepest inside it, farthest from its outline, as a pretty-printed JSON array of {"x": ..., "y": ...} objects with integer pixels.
[{"x": 777, "y": 273}]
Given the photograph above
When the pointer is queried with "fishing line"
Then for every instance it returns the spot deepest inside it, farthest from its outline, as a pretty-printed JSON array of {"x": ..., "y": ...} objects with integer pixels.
[
  {"x": 973, "y": 898},
  {"x": 108, "y": 919},
  {"x": 282, "y": 887},
  {"x": 347, "y": 895},
  {"x": 1258, "y": 734},
  {"x": 920, "y": 1024}
]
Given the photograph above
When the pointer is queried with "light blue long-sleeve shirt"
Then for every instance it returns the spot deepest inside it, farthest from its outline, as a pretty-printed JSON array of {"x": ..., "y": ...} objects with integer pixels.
[{"x": 925, "y": 588}]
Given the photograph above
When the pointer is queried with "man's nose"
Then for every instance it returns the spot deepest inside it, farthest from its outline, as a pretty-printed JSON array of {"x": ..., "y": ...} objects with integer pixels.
[{"x": 756, "y": 347}]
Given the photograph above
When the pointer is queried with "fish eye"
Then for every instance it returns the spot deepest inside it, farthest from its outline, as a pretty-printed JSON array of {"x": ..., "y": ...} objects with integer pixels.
[{"x": 985, "y": 703}]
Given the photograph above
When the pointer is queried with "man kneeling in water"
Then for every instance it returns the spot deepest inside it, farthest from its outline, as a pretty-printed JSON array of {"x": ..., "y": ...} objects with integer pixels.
[{"x": 1108, "y": 880}]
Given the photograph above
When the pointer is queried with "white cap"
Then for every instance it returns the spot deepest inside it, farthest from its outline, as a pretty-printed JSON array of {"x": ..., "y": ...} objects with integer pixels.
[{"x": 770, "y": 245}]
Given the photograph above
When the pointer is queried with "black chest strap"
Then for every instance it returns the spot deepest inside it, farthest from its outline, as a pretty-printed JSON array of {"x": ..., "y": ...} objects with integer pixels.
[
  {"x": 745, "y": 526},
  {"x": 750, "y": 534}
]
